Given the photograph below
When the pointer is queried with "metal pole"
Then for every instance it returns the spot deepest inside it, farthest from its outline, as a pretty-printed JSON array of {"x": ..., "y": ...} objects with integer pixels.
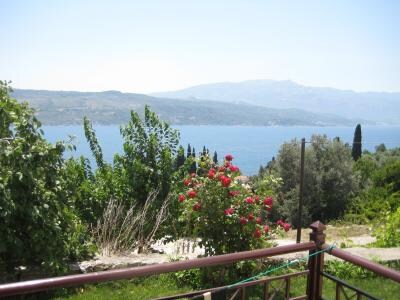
[{"x": 299, "y": 217}]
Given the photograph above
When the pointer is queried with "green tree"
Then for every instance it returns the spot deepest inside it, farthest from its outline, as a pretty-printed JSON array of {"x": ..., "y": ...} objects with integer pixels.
[
  {"x": 356, "y": 151},
  {"x": 215, "y": 158},
  {"x": 329, "y": 182},
  {"x": 180, "y": 159},
  {"x": 38, "y": 226},
  {"x": 193, "y": 166}
]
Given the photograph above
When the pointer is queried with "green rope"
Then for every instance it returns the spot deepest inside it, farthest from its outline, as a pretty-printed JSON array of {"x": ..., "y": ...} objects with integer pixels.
[{"x": 282, "y": 266}]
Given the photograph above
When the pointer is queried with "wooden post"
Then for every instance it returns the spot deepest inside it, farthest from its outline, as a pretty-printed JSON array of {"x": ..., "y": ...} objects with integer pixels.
[
  {"x": 300, "y": 212},
  {"x": 316, "y": 263}
]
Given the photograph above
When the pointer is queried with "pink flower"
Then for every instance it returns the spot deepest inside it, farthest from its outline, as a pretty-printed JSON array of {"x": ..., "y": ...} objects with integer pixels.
[
  {"x": 243, "y": 220},
  {"x": 229, "y": 211},
  {"x": 259, "y": 220},
  {"x": 249, "y": 200},
  {"x": 187, "y": 182},
  {"x": 181, "y": 198},
  {"x": 250, "y": 217},
  {"x": 221, "y": 169},
  {"x": 191, "y": 194},
  {"x": 193, "y": 175},
  {"x": 229, "y": 157},
  {"x": 266, "y": 229}
]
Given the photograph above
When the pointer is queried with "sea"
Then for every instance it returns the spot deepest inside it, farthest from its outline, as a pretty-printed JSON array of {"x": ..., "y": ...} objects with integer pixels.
[{"x": 251, "y": 146}]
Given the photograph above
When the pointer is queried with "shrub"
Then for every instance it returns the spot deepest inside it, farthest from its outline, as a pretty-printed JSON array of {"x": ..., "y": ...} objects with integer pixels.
[
  {"x": 226, "y": 215},
  {"x": 38, "y": 226}
]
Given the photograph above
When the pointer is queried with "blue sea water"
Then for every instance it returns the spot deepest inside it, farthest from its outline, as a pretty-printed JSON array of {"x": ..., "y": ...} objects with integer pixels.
[{"x": 251, "y": 146}]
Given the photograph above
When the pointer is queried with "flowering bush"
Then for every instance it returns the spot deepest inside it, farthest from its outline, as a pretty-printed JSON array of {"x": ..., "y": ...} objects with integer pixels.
[{"x": 226, "y": 215}]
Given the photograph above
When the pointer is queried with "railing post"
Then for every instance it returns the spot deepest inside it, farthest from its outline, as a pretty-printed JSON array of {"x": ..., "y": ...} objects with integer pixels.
[{"x": 316, "y": 263}]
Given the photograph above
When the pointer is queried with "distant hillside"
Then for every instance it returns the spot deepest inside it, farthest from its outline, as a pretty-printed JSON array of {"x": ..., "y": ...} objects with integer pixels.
[
  {"x": 376, "y": 106},
  {"x": 113, "y": 107}
]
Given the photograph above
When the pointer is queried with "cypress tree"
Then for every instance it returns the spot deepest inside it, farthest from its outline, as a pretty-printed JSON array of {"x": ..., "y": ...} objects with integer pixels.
[
  {"x": 193, "y": 167},
  {"x": 356, "y": 150},
  {"x": 180, "y": 159},
  {"x": 204, "y": 151},
  {"x": 189, "y": 151},
  {"x": 215, "y": 158}
]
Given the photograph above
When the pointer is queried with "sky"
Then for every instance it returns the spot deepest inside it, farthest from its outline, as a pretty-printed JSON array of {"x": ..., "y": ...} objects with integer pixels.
[{"x": 152, "y": 46}]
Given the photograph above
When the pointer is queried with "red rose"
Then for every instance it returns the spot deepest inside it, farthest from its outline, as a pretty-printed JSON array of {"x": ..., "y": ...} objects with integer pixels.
[
  {"x": 191, "y": 194},
  {"x": 226, "y": 181},
  {"x": 229, "y": 211},
  {"x": 268, "y": 201},
  {"x": 266, "y": 228},
  {"x": 259, "y": 220},
  {"x": 257, "y": 198},
  {"x": 187, "y": 182},
  {"x": 257, "y": 233},
  {"x": 211, "y": 173},
  {"x": 221, "y": 169},
  {"x": 286, "y": 226},
  {"x": 250, "y": 217},
  {"x": 197, "y": 206},
  {"x": 249, "y": 200},
  {"x": 279, "y": 222},
  {"x": 181, "y": 198},
  {"x": 243, "y": 220},
  {"x": 227, "y": 164},
  {"x": 233, "y": 168},
  {"x": 229, "y": 157},
  {"x": 233, "y": 193}
]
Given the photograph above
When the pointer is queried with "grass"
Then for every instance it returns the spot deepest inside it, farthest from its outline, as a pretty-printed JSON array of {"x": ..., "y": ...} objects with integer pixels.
[
  {"x": 164, "y": 285},
  {"x": 147, "y": 288}
]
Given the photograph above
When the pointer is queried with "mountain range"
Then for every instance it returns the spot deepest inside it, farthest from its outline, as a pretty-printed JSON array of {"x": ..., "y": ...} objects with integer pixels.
[
  {"x": 379, "y": 107},
  {"x": 113, "y": 107},
  {"x": 253, "y": 102}
]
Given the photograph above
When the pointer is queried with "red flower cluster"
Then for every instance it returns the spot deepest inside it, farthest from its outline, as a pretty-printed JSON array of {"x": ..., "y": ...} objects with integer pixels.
[
  {"x": 257, "y": 233},
  {"x": 211, "y": 173},
  {"x": 233, "y": 168},
  {"x": 196, "y": 206},
  {"x": 233, "y": 193},
  {"x": 284, "y": 225},
  {"x": 229, "y": 211},
  {"x": 191, "y": 194},
  {"x": 268, "y": 203},
  {"x": 243, "y": 220},
  {"x": 225, "y": 181},
  {"x": 181, "y": 198},
  {"x": 228, "y": 157},
  {"x": 249, "y": 200}
]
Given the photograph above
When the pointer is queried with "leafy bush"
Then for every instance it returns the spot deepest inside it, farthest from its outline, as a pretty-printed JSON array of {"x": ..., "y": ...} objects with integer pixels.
[
  {"x": 38, "y": 226},
  {"x": 388, "y": 232},
  {"x": 226, "y": 215},
  {"x": 329, "y": 181}
]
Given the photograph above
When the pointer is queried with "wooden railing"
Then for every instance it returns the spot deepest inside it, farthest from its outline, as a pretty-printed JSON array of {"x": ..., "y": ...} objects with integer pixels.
[{"x": 315, "y": 272}]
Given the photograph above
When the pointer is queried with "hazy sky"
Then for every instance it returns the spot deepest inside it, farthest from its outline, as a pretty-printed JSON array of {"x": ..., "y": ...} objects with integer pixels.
[{"x": 149, "y": 46}]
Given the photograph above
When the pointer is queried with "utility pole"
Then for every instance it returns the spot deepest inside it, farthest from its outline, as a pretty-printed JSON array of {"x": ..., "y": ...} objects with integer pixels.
[{"x": 300, "y": 213}]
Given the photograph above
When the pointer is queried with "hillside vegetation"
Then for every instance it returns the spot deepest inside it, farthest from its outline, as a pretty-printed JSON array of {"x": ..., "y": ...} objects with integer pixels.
[{"x": 113, "y": 107}]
